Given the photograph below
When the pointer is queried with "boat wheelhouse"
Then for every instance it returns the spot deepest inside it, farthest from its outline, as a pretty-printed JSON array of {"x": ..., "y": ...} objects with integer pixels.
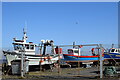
[
  {"x": 29, "y": 48},
  {"x": 114, "y": 50},
  {"x": 74, "y": 52}
]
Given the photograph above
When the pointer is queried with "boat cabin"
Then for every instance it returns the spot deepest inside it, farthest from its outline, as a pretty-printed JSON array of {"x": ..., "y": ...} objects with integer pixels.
[
  {"x": 19, "y": 45},
  {"x": 74, "y": 52},
  {"x": 29, "y": 48},
  {"x": 114, "y": 50}
]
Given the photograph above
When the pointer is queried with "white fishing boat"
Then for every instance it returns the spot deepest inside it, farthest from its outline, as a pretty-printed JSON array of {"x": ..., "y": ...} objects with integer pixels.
[
  {"x": 112, "y": 55},
  {"x": 28, "y": 49}
]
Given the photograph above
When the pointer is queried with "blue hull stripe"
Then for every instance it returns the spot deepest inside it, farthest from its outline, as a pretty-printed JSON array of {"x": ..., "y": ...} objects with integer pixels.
[
  {"x": 112, "y": 55},
  {"x": 106, "y": 56},
  {"x": 73, "y": 58}
]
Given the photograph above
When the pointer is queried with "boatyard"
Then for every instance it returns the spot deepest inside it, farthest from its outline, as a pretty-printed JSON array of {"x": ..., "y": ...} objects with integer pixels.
[
  {"x": 62, "y": 62},
  {"x": 93, "y": 66},
  {"x": 60, "y": 41},
  {"x": 82, "y": 61}
]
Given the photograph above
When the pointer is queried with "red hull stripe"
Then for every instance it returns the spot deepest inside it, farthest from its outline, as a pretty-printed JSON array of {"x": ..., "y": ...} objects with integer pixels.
[{"x": 80, "y": 56}]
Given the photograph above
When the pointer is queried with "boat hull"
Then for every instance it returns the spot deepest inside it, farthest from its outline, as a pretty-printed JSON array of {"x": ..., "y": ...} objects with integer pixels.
[
  {"x": 112, "y": 56},
  {"x": 68, "y": 57},
  {"x": 33, "y": 59}
]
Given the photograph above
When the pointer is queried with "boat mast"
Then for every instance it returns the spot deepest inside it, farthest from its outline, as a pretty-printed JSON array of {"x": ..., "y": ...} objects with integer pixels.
[
  {"x": 73, "y": 44},
  {"x": 24, "y": 33},
  {"x": 112, "y": 45}
]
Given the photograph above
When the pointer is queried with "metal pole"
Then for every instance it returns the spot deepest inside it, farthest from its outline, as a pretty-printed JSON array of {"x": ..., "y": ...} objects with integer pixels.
[
  {"x": 52, "y": 45},
  {"x": 44, "y": 50},
  {"x": 22, "y": 64},
  {"x": 58, "y": 60},
  {"x": 41, "y": 49},
  {"x": 101, "y": 62},
  {"x": 78, "y": 58},
  {"x": 73, "y": 44},
  {"x": 40, "y": 56},
  {"x": 98, "y": 67}
]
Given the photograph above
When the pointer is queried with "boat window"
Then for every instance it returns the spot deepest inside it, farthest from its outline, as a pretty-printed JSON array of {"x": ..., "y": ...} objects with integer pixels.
[
  {"x": 31, "y": 46},
  {"x": 26, "y": 46},
  {"x": 16, "y": 47},
  {"x": 21, "y": 46},
  {"x": 116, "y": 50},
  {"x": 76, "y": 51},
  {"x": 112, "y": 50},
  {"x": 70, "y": 51}
]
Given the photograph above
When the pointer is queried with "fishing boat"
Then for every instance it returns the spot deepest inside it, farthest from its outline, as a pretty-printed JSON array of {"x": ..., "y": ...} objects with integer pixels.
[
  {"x": 28, "y": 49},
  {"x": 74, "y": 55},
  {"x": 112, "y": 55}
]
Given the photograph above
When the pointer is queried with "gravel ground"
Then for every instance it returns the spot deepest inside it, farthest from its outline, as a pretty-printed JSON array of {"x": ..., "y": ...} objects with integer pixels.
[{"x": 65, "y": 74}]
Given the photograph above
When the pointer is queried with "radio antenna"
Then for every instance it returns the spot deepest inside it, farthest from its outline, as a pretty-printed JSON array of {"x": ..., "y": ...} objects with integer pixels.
[{"x": 24, "y": 32}]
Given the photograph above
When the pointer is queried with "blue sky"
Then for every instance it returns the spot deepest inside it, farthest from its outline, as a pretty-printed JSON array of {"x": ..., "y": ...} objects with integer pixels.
[{"x": 63, "y": 22}]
